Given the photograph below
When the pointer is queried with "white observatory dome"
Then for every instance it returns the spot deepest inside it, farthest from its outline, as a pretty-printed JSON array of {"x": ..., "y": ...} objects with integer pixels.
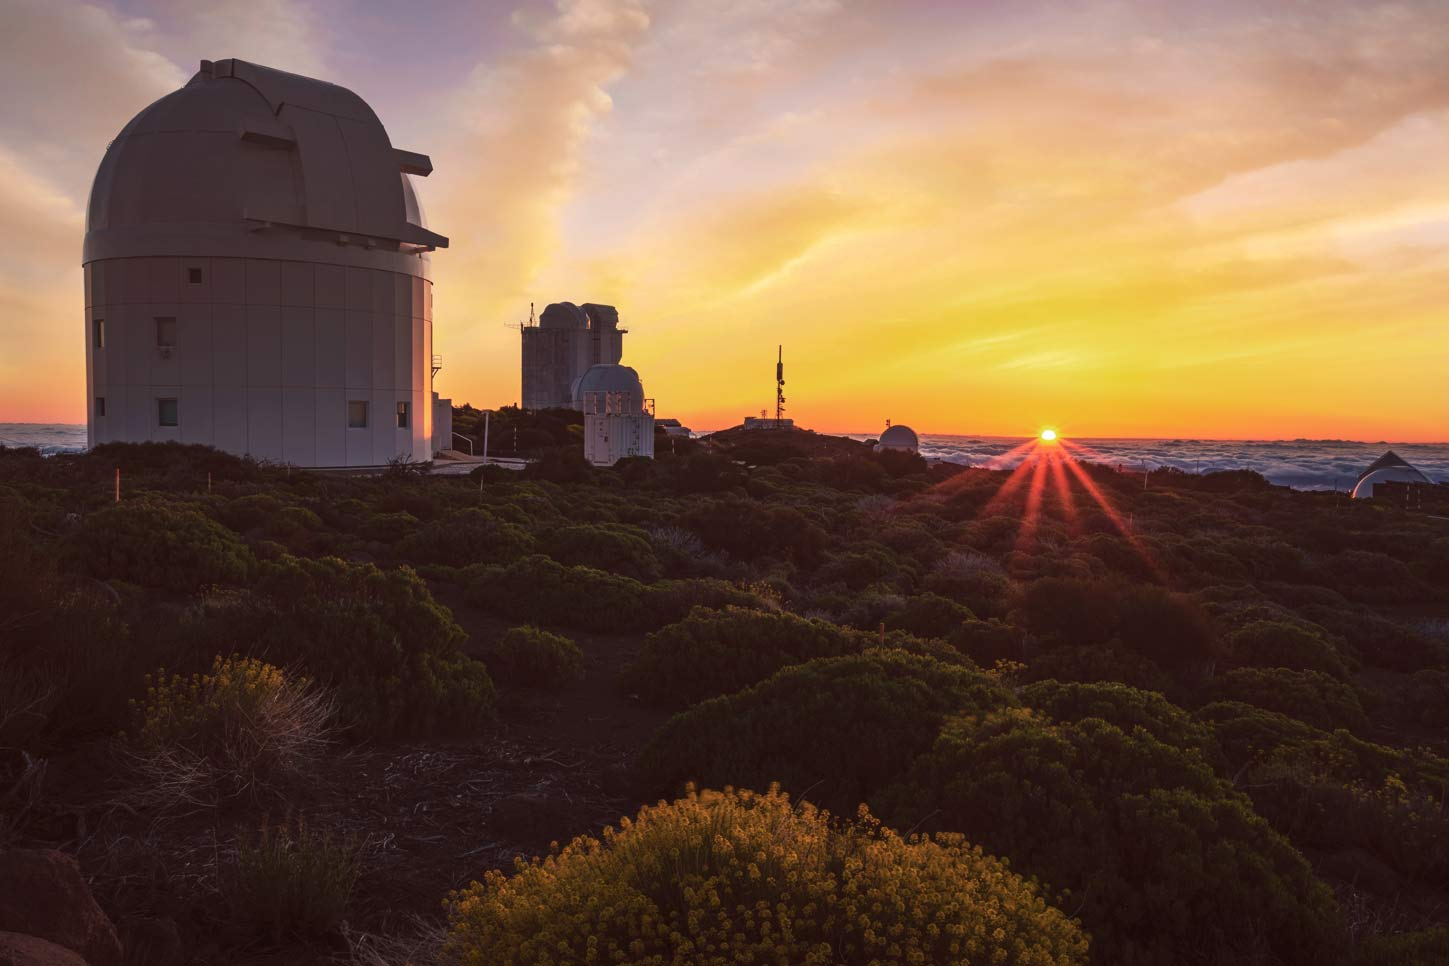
[
  {"x": 1389, "y": 468},
  {"x": 611, "y": 378},
  {"x": 899, "y": 438},
  {"x": 256, "y": 275}
]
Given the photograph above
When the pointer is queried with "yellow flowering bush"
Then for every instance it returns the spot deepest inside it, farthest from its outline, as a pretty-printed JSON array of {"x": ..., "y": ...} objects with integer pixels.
[
  {"x": 739, "y": 877},
  {"x": 229, "y": 731}
]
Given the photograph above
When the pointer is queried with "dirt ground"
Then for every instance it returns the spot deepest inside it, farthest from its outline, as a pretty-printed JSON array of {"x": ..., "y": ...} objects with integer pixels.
[{"x": 432, "y": 815}]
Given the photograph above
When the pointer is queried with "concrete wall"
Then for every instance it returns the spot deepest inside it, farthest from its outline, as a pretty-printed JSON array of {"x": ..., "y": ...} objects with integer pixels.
[
  {"x": 610, "y": 437},
  {"x": 268, "y": 354}
]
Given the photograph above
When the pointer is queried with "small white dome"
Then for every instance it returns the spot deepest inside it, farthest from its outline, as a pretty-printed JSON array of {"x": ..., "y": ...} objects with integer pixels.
[
  {"x": 900, "y": 438},
  {"x": 1389, "y": 468},
  {"x": 610, "y": 377}
]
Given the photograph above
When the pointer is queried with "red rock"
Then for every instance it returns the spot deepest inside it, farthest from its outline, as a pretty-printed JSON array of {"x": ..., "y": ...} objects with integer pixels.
[
  {"x": 42, "y": 894},
  {"x": 18, "y": 950}
]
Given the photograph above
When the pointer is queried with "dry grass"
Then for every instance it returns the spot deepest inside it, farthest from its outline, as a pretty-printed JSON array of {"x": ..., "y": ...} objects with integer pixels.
[{"x": 200, "y": 743}]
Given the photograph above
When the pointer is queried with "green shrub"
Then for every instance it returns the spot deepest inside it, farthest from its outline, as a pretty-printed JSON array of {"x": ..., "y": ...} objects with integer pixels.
[
  {"x": 535, "y": 658},
  {"x": 1165, "y": 862},
  {"x": 972, "y": 579},
  {"x": 380, "y": 641},
  {"x": 1099, "y": 662},
  {"x": 166, "y": 546},
  {"x": 716, "y": 652},
  {"x": 750, "y": 529},
  {"x": 616, "y": 549},
  {"x": 289, "y": 881},
  {"x": 1283, "y": 645},
  {"x": 930, "y": 615},
  {"x": 836, "y": 729},
  {"x": 1169, "y": 629},
  {"x": 389, "y": 527},
  {"x": 1310, "y": 696},
  {"x": 1124, "y": 707},
  {"x": 722, "y": 878},
  {"x": 1063, "y": 610},
  {"x": 543, "y": 591},
  {"x": 466, "y": 537},
  {"x": 987, "y": 642},
  {"x": 540, "y": 589}
]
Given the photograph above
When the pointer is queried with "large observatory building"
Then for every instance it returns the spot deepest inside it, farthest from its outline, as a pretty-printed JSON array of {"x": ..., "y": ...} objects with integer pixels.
[
  {"x": 256, "y": 276},
  {"x": 567, "y": 340}
]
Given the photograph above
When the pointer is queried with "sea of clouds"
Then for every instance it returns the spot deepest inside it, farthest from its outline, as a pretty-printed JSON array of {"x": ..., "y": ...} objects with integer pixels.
[{"x": 1306, "y": 464}]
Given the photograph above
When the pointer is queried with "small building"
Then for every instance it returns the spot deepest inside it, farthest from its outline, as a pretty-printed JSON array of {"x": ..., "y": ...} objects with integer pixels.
[
  {"x": 618, "y": 419},
  {"x": 672, "y": 427},
  {"x": 901, "y": 438},
  {"x": 1389, "y": 468},
  {"x": 767, "y": 422}
]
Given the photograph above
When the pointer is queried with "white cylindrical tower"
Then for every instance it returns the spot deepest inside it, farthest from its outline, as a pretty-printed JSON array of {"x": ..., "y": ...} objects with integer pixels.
[{"x": 256, "y": 276}]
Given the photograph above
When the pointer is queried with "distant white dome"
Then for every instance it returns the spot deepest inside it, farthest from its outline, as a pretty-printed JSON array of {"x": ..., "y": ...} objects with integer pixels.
[
  {"x": 610, "y": 377},
  {"x": 900, "y": 438},
  {"x": 1389, "y": 468}
]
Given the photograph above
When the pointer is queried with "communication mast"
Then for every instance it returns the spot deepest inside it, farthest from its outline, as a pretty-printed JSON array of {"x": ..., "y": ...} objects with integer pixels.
[{"x": 780, "y": 388}]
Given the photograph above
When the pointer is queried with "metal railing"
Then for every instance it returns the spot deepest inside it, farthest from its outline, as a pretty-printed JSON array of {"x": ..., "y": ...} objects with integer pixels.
[{"x": 467, "y": 440}]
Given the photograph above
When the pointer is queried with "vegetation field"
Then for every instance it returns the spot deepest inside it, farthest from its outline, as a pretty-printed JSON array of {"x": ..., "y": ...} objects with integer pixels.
[{"x": 751, "y": 702}]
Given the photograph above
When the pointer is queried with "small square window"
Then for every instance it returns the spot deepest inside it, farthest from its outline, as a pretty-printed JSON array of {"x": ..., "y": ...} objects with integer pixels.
[
  {"x": 98, "y": 327},
  {"x": 193, "y": 276},
  {"x": 100, "y": 406},
  {"x": 167, "y": 412},
  {"x": 402, "y": 415},
  {"x": 166, "y": 332},
  {"x": 357, "y": 414}
]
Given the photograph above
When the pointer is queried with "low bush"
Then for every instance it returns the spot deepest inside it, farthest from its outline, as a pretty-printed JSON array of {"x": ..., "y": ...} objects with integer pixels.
[
  {"x": 987, "y": 642},
  {"x": 245, "y": 728},
  {"x": 166, "y": 546},
  {"x": 716, "y": 652},
  {"x": 466, "y": 537},
  {"x": 1310, "y": 696},
  {"x": 1165, "y": 862},
  {"x": 289, "y": 881},
  {"x": 541, "y": 590},
  {"x": 930, "y": 615},
  {"x": 535, "y": 658},
  {"x": 1124, "y": 707},
  {"x": 735, "y": 877},
  {"x": 380, "y": 641},
  {"x": 617, "y": 549},
  {"x": 1280, "y": 644},
  {"x": 835, "y": 729}
]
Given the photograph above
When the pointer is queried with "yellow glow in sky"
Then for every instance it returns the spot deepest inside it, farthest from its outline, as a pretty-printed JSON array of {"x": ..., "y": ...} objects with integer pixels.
[{"x": 1169, "y": 219}]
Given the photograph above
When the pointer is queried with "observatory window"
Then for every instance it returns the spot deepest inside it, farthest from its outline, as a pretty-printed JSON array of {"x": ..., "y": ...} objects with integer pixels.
[
  {"x": 100, "y": 406},
  {"x": 166, "y": 332},
  {"x": 402, "y": 415},
  {"x": 193, "y": 276},
  {"x": 167, "y": 413},
  {"x": 357, "y": 414},
  {"x": 99, "y": 328}
]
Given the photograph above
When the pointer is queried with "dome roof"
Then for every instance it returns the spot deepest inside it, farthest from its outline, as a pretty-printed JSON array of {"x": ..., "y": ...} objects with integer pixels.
[
  {"x": 563, "y": 315},
  {"x": 899, "y": 437},
  {"x": 610, "y": 377},
  {"x": 245, "y": 160},
  {"x": 1389, "y": 468}
]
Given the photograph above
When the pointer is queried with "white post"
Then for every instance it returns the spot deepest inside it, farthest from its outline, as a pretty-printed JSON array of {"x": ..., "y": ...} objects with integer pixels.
[{"x": 486, "y": 413}]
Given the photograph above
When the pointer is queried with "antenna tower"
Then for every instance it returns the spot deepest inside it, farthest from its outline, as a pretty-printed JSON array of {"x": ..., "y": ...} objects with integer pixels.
[{"x": 780, "y": 387}]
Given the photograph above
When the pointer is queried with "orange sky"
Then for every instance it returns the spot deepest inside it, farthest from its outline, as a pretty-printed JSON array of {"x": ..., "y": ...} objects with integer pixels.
[{"x": 1118, "y": 218}]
